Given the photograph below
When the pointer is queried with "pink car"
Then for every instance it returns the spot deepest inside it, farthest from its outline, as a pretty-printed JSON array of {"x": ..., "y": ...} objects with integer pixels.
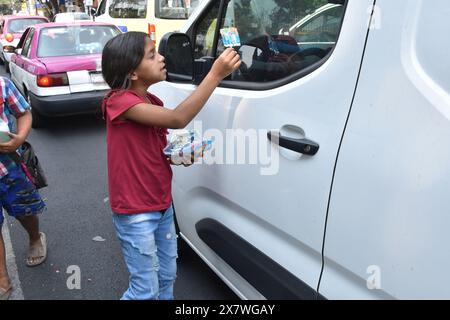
[
  {"x": 57, "y": 66},
  {"x": 11, "y": 29}
]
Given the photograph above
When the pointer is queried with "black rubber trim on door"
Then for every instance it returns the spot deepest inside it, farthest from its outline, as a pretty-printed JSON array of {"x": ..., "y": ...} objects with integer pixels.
[{"x": 265, "y": 275}]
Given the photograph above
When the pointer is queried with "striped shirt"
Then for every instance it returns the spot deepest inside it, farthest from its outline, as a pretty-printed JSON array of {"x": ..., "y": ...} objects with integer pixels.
[{"x": 12, "y": 106}]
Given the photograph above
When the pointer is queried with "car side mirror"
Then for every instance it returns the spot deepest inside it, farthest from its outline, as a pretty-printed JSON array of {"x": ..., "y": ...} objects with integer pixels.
[
  {"x": 178, "y": 53},
  {"x": 93, "y": 12},
  {"x": 18, "y": 51}
]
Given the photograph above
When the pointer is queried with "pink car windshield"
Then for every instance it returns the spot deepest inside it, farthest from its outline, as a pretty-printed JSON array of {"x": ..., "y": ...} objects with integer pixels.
[{"x": 74, "y": 40}]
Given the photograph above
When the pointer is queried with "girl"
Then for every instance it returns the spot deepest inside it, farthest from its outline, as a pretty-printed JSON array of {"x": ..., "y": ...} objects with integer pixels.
[{"x": 139, "y": 173}]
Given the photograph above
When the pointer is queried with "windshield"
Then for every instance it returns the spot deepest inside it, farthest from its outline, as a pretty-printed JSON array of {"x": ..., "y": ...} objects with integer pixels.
[
  {"x": 74, "y": 40},
  {"x": 19, "y": 25}
]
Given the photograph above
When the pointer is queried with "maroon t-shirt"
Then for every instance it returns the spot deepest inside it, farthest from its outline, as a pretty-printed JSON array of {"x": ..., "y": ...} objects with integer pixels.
[{"x": 139, "y": 174}]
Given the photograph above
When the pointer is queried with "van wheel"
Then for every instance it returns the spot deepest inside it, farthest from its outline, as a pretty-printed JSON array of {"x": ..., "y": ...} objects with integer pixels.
[{"x": 39, "y": 121}]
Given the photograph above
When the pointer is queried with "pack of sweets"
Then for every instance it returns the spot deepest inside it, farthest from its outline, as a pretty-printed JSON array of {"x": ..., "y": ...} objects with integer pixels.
[{"x": 186, "y": 146}]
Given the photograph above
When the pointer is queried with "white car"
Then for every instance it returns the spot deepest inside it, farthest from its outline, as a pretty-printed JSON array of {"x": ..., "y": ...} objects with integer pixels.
[
  {"x": 71, "y": 17},
  {"x": 330, "y": 172}
]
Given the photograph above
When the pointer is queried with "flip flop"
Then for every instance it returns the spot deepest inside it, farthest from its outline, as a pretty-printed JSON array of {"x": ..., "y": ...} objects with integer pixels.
[
  {"x": 5, "y": 293},
  {"x": 37, "y": 254}
]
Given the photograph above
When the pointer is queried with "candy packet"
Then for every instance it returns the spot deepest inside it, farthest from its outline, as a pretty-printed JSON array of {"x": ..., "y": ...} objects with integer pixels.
[{"x": 186, "y": 146}]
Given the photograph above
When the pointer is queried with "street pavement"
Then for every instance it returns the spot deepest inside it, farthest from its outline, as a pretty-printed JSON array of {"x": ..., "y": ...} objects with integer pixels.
[{"x": 78, "y": 225}]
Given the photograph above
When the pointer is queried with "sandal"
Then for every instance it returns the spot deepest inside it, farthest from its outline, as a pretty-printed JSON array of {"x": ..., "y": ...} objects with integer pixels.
[
  {"x": 5, "y": 293},
  {"x": 37, "y": 253}
]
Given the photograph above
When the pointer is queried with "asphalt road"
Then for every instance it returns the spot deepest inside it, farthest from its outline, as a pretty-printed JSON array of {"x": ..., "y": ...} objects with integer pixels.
[{"x": 73, "y": 154}]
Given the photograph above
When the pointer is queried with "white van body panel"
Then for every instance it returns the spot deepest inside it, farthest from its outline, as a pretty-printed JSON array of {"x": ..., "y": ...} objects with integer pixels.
[
  {"x": 282, "y": 215},
  {"x": 389, "y": 216}
]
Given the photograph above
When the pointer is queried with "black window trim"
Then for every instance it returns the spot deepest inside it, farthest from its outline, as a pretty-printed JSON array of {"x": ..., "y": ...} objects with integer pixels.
[{"x": 258, "y": 86}]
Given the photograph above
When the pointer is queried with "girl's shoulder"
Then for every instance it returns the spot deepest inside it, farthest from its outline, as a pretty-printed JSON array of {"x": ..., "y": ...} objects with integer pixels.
[
  {"x": 124, "y": 96},
  {"x": 118, "y": 101},
  {"x": 154, "y": 99},
  {"x": 121, "y": 94}
]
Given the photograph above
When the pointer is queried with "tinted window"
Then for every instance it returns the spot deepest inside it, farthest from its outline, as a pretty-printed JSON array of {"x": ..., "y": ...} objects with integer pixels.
[
  {"x": 277, "y": 38},
  {"x": 76, "y": 40},
  {"x": 323, "y": 28},
  {"x": 128, "y": 9},
  {"x": 19, "y": 25}
]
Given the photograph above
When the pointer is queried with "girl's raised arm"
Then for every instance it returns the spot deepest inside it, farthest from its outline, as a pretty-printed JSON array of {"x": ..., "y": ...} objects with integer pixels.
[{"x": 179, "y": 117}]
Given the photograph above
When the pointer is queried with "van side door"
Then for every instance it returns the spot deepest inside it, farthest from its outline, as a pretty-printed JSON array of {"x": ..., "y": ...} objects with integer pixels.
[{"x": 256, "y": 208}]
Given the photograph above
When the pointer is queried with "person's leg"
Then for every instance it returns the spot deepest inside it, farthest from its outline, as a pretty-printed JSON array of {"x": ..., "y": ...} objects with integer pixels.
[
  {"x": 24, "y": 202},
  {"x": 137, "y": 238},
  {"x": 166, "y": 241},
  {"x": 31, "y": 225},
  {"x": 4, "y": 279}
]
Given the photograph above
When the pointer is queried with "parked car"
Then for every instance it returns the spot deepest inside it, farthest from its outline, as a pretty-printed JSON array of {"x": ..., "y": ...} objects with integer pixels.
[
  {"x": 155, "y": 17},
  {"x": 57, "y": 66},
  {"x": 352, "y": 200},
  {"x": 71, "y": 17},
  {"x": 11, "y": 29}
]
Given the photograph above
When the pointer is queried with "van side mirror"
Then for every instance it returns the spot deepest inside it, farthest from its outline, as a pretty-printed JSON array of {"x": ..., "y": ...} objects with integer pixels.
[{"x": 177, "y": 50}]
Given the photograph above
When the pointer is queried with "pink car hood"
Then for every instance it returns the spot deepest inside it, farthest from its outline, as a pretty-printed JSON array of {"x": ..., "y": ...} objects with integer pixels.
[{"x": 71, "y": 63}]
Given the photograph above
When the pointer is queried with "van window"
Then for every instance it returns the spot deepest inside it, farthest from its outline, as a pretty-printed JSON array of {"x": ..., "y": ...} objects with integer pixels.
[
  {"x": 130, "y": 9},
  {"x": 324, "y": 28},
  {"x": 174, "y": 9},
  {"x": 278, "y": 38}
]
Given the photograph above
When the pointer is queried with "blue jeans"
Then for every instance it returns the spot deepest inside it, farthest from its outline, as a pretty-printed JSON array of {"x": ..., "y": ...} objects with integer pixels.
[{"x": 149, "y": 246}]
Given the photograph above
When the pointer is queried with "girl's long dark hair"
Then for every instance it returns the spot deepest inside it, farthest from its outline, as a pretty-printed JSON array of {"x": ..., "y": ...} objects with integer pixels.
[{"x": 121, "y": 56}]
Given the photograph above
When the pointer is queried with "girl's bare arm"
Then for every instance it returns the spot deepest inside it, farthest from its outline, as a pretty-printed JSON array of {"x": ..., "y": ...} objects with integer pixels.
[{"x": 179, "y": 117}]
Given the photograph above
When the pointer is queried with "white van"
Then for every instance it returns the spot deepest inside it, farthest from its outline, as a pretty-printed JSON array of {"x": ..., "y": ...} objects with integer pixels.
[
  {"x": 155, "y": 17},
  {"x": 355, "y": 204}
]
